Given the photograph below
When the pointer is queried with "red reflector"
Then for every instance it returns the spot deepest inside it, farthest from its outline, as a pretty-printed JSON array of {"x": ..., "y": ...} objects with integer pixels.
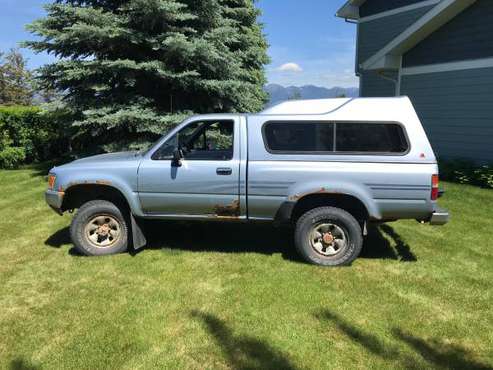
[
  {"x": 434, "y": 194},
  {"x": 434, "y": 187}
]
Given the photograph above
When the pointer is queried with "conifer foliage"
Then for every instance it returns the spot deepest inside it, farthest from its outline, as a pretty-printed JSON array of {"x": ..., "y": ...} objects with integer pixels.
[{"x": 131, "y": 69}]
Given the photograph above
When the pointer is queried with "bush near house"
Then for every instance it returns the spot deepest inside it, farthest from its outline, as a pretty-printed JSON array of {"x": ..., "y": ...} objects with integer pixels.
[
  {"x": 467, "y": 172},
  {"x": 29, "y": 134}
]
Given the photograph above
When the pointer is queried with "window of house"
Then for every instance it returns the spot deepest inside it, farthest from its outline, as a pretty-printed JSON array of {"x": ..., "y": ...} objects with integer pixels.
[{"x": 209, "y": 140}]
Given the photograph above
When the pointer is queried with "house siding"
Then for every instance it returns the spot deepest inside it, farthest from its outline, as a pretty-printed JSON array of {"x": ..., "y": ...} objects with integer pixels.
[
  {"x": 375, "y": 34},
  {"x": 372, "y": 7},
  {"x": 467, "y": 36},
  {"x": 374, "y": 85},
  {"x": 456, "y": 109}
]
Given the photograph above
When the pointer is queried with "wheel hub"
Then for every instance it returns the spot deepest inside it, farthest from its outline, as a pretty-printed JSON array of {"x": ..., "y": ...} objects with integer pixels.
[
  {"x": 103, "y": 231},
  {"x": 328, "y": 239}
]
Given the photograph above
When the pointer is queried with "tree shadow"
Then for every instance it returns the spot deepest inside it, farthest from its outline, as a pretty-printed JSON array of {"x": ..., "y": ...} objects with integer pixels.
[
  {"x": 434, "y": 351},
  {"x": 377, "y": 245},
  {"x": 22, "y": 364},
  {"x": 243, "y": 352},
  {"x": 441, "y": 354}
]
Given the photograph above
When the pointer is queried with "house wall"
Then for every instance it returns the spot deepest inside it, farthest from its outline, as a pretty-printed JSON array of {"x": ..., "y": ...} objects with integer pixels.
[
  {"x": 371, "y": 7},
  {"x": 467, "y": 36},
  {"x": 456, "y": 109},
  {"x": 373, "y": 85},
  {"x": 375, "y": 34}
]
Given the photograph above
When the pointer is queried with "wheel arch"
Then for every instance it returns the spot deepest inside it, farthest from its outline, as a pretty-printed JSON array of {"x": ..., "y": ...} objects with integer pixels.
[{"x": 292, "y": 209}]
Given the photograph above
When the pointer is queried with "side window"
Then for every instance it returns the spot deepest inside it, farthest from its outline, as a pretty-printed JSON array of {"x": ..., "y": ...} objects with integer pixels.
[
  {"x": 334, "y": 137},
  {"x": 299, "y": 137},
  {"x": 370, "y": 138},
  {"x": 208, "y": 140}
]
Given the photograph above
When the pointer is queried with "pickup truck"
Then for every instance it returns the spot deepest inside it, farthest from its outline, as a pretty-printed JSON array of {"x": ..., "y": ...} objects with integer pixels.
[{"x": 326, "y": 167}]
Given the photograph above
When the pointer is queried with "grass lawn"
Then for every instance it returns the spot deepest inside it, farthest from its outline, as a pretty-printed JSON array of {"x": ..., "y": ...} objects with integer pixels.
[{"x": 211, "y": 296}]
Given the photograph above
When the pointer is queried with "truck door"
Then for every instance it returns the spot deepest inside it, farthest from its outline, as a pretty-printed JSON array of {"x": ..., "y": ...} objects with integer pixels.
[{"x": 205, "y": 182}]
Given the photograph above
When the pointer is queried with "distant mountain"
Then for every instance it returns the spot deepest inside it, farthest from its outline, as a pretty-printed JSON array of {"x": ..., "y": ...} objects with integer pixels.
[{"x": 280, "y": 93}]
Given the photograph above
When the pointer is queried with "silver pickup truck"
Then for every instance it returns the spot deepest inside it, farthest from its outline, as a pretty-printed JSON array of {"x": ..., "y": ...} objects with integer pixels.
[{"x": 327, "y": 167}]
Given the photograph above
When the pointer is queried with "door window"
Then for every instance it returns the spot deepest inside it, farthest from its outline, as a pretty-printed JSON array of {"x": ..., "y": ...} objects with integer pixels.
[{"x": 207, "y": 140}]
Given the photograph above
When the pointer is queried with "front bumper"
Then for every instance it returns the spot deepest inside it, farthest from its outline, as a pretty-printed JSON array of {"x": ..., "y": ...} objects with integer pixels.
[
  {"x": 55, "y": 200},
  {"x": 439, "y": 217}
]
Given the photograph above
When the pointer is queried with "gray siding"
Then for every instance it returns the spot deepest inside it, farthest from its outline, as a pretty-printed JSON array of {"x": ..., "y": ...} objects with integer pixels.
[
  {"x": 456, "y": 109},
  {"x": 467, "y": 36},
  {"x": 374, "y": 35},
  {"x": 371, "y": 7},
  {"x": 373, "y": 85}
]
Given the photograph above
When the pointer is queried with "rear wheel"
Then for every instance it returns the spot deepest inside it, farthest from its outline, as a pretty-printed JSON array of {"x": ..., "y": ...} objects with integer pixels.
[
  {"x": 328, "y": 236},
  {"x": 99, "y": 228}
]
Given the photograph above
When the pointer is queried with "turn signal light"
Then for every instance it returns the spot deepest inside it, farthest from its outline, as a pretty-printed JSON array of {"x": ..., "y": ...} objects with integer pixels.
[{"x": 434, "y": 187}]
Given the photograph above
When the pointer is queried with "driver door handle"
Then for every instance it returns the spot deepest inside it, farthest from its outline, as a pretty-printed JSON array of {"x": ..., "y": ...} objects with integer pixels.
[{"x": 224, "y": 171}]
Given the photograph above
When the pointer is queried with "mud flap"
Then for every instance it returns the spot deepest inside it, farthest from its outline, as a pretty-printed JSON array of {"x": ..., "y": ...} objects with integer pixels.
[{"x": 139, "y": 240}]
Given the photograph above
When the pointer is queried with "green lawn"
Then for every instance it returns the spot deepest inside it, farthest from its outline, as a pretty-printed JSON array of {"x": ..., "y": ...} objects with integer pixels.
[{"x": 219, "y": 297}]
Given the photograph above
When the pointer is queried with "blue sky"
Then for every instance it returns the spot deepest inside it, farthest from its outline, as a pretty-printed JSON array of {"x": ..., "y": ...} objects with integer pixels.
[{"x": 308, "y": 44}]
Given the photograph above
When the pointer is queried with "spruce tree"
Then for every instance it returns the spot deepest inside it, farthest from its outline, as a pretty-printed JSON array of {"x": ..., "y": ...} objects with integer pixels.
[
  {"x": 132, "y": 69},
  {"x": 15, "y": 79}
]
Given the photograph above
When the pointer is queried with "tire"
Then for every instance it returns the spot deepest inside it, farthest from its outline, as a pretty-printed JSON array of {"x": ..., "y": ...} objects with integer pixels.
[
  {"x": 328, "y": 236},
  {"x": 99, "y": 228}
]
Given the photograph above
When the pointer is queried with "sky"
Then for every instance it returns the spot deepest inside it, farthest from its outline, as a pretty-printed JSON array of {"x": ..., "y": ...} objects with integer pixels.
[{"x": 308, "y": 44}]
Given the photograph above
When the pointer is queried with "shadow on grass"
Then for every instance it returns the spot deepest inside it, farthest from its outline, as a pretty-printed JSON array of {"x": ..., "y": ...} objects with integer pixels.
[
  {"x": 378, "y": 245},
  {"x": 243, "y": 352},
  {"x": 21, "y": 364},
  {"x": 246, "y": 238},
  {"x": 435, "y": 352},
  {"x": 59, "y": 238},
  {"x": 221, "y": 237}
]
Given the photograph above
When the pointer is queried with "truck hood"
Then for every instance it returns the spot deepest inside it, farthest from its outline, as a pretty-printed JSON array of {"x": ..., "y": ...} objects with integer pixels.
[
  {"x": 104, "y": 160},
  {"x": 110, "y": 157}
]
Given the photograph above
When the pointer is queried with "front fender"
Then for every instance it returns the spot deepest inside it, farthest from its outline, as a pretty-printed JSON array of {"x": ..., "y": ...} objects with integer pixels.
[{"x": 67, "y": 180}]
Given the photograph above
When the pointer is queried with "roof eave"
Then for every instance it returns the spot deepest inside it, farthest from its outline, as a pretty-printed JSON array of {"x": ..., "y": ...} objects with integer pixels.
[
  {"x": 350, "y": 10},
  {"x": 388, "y": 56}
]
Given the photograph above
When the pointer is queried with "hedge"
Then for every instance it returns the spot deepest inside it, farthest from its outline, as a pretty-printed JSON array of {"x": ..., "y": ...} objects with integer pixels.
[{"x": 29, "y": 134}]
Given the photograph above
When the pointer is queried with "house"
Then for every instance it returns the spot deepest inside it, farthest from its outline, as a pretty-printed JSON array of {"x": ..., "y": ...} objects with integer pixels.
[{"x": 440, "y": 54}]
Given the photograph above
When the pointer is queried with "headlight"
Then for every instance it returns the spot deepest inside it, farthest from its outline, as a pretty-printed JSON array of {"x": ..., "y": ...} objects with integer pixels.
[{"x": 51, "y": 181}]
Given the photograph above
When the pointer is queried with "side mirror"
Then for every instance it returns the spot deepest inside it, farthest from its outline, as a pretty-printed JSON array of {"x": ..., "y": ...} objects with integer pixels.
[{"x": 177, "y": 157}]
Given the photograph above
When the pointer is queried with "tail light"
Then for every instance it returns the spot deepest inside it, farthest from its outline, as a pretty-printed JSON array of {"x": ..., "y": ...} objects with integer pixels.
[
  {"x": 434, "y": 187},
  {"x": 51, "y": 181}
]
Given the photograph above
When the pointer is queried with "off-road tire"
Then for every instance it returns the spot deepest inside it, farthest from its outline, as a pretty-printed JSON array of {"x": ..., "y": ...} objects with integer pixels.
[
  {"x": 307, "y": 223},
  {"x": 83, "y": 217}
]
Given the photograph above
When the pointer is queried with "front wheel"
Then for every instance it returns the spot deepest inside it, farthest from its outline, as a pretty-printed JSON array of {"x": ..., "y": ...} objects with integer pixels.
[
  {"x": 99, "y": 228},
  {"x": 328, "y": 236}
]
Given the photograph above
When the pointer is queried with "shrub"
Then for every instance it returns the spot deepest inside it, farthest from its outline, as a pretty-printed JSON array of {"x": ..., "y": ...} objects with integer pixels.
[
  {"x": 467, "y": 172},
  {"x": 12, "y": 157},
  {"x": 29, "y": 134}
]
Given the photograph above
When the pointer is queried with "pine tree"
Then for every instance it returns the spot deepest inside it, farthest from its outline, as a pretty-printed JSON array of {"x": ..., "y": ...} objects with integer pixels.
[
  {"x": 132, "y": 69},
  {"x": 15, "y": 79}
]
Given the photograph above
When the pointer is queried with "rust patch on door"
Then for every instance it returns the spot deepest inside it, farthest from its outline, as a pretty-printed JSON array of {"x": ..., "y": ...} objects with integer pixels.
[{"x": 232, "y": 210}]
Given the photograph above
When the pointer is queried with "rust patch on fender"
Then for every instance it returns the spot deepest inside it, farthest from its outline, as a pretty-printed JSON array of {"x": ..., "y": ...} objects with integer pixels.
[
  {"x": 229, "y": 211},
  {"x": 103, "y": 182},
  {"x": 297, "y": 197}
]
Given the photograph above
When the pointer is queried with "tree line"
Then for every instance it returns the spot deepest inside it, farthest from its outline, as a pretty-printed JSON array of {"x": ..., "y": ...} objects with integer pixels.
[{"x": 129, "y": 70}]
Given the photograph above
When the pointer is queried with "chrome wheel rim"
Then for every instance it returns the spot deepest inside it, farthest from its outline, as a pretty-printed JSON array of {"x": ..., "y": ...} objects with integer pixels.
[
  {"x": 328, "y": 239},
  {"x": 103, "y": 231}
]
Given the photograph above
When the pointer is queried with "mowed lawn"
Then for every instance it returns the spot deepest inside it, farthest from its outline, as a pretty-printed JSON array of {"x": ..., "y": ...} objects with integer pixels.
[{"x": 213, "y": 296}]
